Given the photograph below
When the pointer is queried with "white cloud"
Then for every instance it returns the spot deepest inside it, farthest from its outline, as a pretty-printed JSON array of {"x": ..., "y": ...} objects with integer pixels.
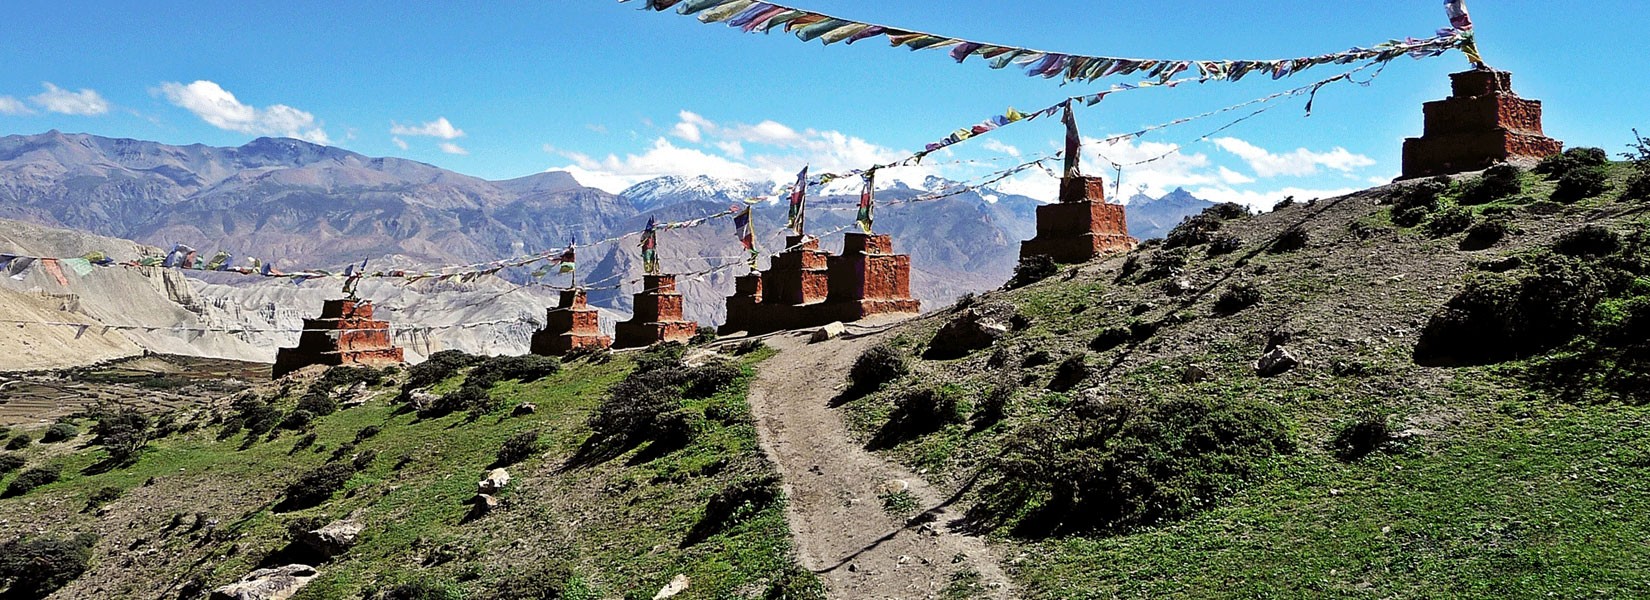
[
  {"x": 13, "y": 106},
  {"x": 1299, "y": 163},
  {"x": 451, "y": 148},
  {"x": 440, "y": 128},
  {"x": 219, "y": 108},
  {"x": 1234, "y": 177},
  {"x": 59, "y": 100},
  {"x": 399, "y": 143},
  {"x": 766, "y": 151},
  {"x": 996, "y": 145}
]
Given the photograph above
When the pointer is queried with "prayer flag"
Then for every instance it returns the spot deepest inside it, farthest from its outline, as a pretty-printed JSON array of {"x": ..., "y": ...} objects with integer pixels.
[
  {"x": 650, "y": 248},
  {"x": 799, "y": 193},
  {"x": 866, "y": 200},
  {"x": 20, "y": 267},
  {"x": 53, "y": 269},
  {"x": 1074, "y": 142},
  {"x": 567, "y": 261},
  {"x": 1458, "y": 17}
]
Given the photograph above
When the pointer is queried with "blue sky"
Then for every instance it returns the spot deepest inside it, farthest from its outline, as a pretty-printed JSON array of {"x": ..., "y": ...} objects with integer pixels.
[{"x": 616, "y": 94}]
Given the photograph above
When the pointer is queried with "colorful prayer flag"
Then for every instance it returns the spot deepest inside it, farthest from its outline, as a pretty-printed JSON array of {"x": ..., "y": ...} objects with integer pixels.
[
  {"x": 1458, "y": 17},
  {"x": 1074, "y": 142},
  {"x": 567, "y": 261},
  {"x": 746, "y": 233},
  {"x": 52, "y": 268},
  {"x": 866, "y": 200},
  {"x": 650, "y": 248},
  {"x": 799, "y": 194}
]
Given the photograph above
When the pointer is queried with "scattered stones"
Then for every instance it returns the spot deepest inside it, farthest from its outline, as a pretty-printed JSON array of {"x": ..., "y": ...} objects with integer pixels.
[
  {"x": 494, "y": 482},
  {"x": 894, "y": 486},
  {"x": 677, "y": 585},
  {"x": 830, "y": 331},
  {"x": 268, "y": 584},
  {"x": 335, "y": 538},
  {"x": 1276, "y": 362},
  {"x": 524, "y": 409},
  {"x": 483, "y": 504},
  {"x": 977, "y": 327}
]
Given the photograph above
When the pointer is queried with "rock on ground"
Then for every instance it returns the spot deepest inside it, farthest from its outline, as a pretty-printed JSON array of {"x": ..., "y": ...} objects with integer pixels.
[{"x": 279, "y": 583}]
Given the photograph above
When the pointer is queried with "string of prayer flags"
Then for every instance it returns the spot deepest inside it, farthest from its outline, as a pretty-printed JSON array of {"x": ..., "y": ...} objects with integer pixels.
[
  {"x": 753, "y": 16},
  {"x": 799, "y": 193},
  {"x": 51, "y": 267},
  {"x": 1462, "y": 22},
  {"x": 866, "y": 201},
  {"x": 650, "y": 248},
  {"x": 17, "y": 267}
]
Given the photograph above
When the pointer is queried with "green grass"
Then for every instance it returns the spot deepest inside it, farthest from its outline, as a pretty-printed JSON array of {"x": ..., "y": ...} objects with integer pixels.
[{"x": 617, "y": 527}]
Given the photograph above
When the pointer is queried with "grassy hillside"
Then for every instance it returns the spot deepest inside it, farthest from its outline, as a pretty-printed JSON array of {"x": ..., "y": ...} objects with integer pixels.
[
  {"x": 1117, "y": 440},
  {"x": 207, "y": 500}
]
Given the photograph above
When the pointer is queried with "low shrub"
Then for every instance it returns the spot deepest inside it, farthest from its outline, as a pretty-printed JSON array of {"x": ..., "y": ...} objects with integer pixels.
[
  {"x": 711, "y": 378},
  {"x": 36, "y": 568},
  {"x": 704, "y": 335},
  {"x": 1032, "y": 269},
  {"x": 123, "y": 433},
  {"x": 1638, "y": 184},
  {"x": 1238, "y": 296},
  {"x": 422, "y": 589},
  {"x": 661, "y": 356},
  {"x": 1227, "y": 211},
  {"x": 1484, "y": 234},
  {"x": 1225, "y": 243},
  {"x": 518, "y": 447},
  {"x": 1569, "y": 161},
  {"x": 1497, "y": 182},
  {"x": 1292, "y": 239},
  {"x": 1497, "y": 317},
  {"x": 317, "y": 403},
  {"x": 104, "y": 495},
  {"x": 363, "y": 459},
  {"x": 635, "y": 409},
  {"x": 298, "y": 420},
  {"x": 11, "y": 462},
  {"x": 1072, "y": 371},
  {"x": 876, "y": 367},
  {"x": 1110, "y": 337},
  {"x": 318, "y": 485},
  {"x": 1361, "y": 437},
  {"x": 1581, "y": 184},
  {"x": 367, "y": 433},
  {"x": 1192, "y": 231},
  {"x": 1164, "y": 263},
  {"x": 1412, "y": 204},
  {"x": 1116, "y": 466},
  {"x": 738, "y": 501},
  {"x": 33, "y": 478},
  {"x": 59, "y": 432},
  {"x": 795, "y": 583},
  {"x": 923, "y": 410},
  {"x": 438, "y": 367},
  {"x": 1449, "y": 221},
  {"x": 543, "y": 580},
  {"x": 526, "y": 369},
  {"x": 19, "y": 441},
  {"x": 1588, "y": 241},
  {"x": 255, "y": 415}
]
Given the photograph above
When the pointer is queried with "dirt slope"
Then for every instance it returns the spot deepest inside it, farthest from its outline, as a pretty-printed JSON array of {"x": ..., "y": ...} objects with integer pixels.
[{"x": 841, "y": 529}]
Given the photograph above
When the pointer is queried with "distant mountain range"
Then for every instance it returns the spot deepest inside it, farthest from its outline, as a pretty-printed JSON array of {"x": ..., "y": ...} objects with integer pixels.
[
  {"x": 305, "y": 205},
  {"x": 1153, "y": 217}
]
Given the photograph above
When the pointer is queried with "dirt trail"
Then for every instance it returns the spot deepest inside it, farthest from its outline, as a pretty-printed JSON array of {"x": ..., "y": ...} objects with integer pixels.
[{"x": 841, "y": 529}]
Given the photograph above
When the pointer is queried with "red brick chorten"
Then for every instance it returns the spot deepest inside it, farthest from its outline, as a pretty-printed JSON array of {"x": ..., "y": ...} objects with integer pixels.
[
  {"x": 1482, "y": 123},
  {"x": 807, "y": 287},
  {"x": 346, "y": 334},
  {"x": 657, "y": 317},
  {"x": 1081, "y": 226},
  {"x": 571, "y": 324}
]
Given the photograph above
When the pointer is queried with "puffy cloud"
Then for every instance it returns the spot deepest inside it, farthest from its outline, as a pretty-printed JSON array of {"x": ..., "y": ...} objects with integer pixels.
[
  {"x": 59, "y": 100},
  {"x": 451, "y": 148},
  {"x": 996, "y": 145},
  {"x": 1234, "y": 177},
  {"x": 1298, "y": 163},
  {"x": 614, "y": 173},
  {"x": 440, "y": 128},
  {"x": 219, "y": 108},
  {"x": 13, "y": 106},
  {"x": 399, "y": 143}
]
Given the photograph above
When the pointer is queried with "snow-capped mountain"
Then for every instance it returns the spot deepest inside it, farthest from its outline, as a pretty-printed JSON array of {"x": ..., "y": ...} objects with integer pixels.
[
  {"x": 1153, "y": 217},
  {"x": 661, "y": 192}
]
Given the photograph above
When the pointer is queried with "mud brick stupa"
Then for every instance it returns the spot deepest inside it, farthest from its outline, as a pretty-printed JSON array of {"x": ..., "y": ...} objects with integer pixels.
[
  {"x": 808, "y": 287},
  {"x": 1081, "y": 226},
  {"x": 1482, "y": 123},
  {"x": 571, "y": 324},
  {"x": 346, "y": 334},
  {"x": 657, "y": 316}
]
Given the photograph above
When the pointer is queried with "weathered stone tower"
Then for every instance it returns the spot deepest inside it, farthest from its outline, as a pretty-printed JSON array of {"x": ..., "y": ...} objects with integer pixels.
[
  {"x": 1081, "y": 226},
  {"x": 657, "y": 317},
  {"x": 807, "y": 287},
  {"x": 1482, "y": 123},
  {"x": 345, "y": 334},
  {"x": 571, "y": 324}
]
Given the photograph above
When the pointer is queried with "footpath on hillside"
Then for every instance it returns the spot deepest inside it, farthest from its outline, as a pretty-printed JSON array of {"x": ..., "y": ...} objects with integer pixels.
[{"x": 842, "y": 531}]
